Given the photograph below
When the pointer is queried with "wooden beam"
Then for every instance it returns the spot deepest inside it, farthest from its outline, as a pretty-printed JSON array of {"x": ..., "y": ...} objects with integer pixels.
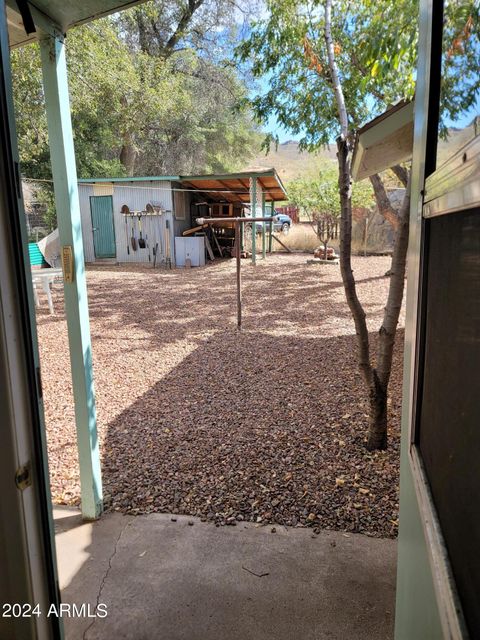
[
  {"x": 270, "y": 236},
  {"x": 189, "y": 232},
  {"x": 280, "y": 242}
]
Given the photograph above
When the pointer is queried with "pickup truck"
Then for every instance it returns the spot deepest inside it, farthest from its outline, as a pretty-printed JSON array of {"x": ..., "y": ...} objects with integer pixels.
[{"x": 281, "y": 222}]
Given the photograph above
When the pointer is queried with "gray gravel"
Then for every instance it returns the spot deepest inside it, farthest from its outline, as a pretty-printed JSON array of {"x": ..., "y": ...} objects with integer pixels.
[{"x": 267, "y": 425}]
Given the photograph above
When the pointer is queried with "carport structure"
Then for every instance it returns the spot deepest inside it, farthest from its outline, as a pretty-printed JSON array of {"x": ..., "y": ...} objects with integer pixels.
[
  {"x": 253, "y": 188},
  {"x": 239, "y": 187}
]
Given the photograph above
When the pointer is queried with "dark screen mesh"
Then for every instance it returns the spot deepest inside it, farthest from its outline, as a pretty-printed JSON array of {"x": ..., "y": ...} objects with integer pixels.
[{"x": 449, "y": 429}]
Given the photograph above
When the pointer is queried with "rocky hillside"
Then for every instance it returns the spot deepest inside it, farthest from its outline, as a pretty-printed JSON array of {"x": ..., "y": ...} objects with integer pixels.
[{"x": 290, "y": 162}]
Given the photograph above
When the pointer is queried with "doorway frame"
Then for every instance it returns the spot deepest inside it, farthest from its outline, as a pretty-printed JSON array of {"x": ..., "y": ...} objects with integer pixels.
[{"x": 91, "y": 200}]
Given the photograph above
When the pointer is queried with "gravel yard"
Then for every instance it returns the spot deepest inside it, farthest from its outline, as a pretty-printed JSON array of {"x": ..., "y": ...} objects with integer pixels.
[{"x": 267, "y": 425}]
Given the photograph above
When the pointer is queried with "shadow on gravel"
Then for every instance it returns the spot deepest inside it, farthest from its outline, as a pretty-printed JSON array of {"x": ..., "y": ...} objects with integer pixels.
[
  {"x": 267, "y": 425},
  {"x": 261, "y": 428}
]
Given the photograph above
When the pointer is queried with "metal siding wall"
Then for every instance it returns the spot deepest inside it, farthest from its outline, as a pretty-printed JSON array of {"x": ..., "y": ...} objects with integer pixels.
[
  {"x": 182, "y": 209},
  {"x": 135, "y": 196},
  {"x": 84, "y": 193}
]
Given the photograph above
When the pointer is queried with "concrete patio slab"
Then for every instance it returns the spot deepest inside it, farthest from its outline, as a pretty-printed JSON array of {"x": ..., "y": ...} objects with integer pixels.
[{"x": 167, "y": 580}]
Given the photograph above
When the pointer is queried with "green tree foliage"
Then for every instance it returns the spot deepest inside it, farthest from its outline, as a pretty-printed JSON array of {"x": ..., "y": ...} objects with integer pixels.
[
  {"x": 460, "y": 62},
  {"x": 164, "y": 27},
  {"x": 135, "y": 110},
  {"x": 375, "y": 49},
  {"x": 319, "y": 195}
]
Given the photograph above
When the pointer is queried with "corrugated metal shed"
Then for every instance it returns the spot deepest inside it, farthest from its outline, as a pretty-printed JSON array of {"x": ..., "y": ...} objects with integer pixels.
[
  {"x": 174, "y": 194},
  {"x": 135, "y": 194}
]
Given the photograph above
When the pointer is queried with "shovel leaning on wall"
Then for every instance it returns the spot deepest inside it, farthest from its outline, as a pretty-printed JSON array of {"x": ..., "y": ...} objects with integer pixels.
[
  {"x": 141, "y": 241},
  {"x": 133, "y": 239}
]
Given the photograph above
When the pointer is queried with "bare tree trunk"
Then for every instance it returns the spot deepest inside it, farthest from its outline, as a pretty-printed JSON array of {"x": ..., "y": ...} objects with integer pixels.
[
  {"x": 355, "y": 306},
  {"x": 376, "y": 379},
  {"x": 401, "y": 173},
  {"x": 337, "y": 86},
  {"x": 190, "y": 8},
  {"x": 377, "y": 424},
  {"x": 377, "y": 436},
  {"x": 383, "y": 202},
  {"x": 128, "y": 154},
  {"x": 345, "y": 187}
]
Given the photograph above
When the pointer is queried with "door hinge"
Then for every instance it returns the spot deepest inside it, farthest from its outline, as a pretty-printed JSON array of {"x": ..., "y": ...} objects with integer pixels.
[{"x": 23, "y": 476}]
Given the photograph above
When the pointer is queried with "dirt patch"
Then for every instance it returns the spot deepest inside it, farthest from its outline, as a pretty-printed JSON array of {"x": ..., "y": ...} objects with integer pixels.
[{"x": 267, "y": 425}]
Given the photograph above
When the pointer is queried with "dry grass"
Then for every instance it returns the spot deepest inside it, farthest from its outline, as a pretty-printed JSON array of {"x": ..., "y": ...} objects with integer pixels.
[
  {"x": 291, "y": 163},
  {"x": 302, "y": 237}
]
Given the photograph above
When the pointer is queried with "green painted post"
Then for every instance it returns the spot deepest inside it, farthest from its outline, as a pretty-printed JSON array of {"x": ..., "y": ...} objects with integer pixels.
[
  {"x": 253, "y": 204},
  {"x": 270, "y": 238},
  {"x": 67, "y": 204},
  {"x": 264, "y": 229}
]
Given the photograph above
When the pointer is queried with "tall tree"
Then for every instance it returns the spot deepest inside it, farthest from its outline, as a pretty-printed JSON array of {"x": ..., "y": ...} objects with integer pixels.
[
  {"x": 328, "y": 74},
  {"x": 135, "y": 113},
  {"x": 163, "y": 27},
  {"x": 194, "y": 38}
]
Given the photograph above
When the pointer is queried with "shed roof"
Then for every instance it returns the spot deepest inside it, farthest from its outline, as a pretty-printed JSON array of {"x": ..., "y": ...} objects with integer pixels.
[
  {"x": 384, "y": 141},
  {"x": 229, "y": 187},
  {"x": 235, "y": 187},
  {"x": 64, "y": 14}
]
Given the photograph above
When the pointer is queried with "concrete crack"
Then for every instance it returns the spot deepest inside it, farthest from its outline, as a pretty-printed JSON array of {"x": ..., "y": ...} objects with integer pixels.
[{"x": 105, "y": 576}]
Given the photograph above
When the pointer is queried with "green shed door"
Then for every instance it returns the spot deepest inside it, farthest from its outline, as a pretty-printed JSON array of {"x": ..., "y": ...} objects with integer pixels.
[{"x": 101, "y": 208}]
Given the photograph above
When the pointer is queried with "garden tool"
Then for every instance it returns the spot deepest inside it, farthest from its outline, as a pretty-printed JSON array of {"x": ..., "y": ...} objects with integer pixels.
[
  {"x": 154, "y": 247},
  {"x": 141, "y": 241},
  {"x": 126, "y": 232},
  {"x": 133, "y": 239},
  {"x": 148, "y": 247},
  {"x": 168, "y": 260}
]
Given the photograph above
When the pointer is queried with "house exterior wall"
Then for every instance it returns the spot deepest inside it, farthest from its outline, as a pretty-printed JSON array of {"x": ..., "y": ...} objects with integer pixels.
[
  {"x": 135, "y": 196},
  {"x": 417, "y": 615}
]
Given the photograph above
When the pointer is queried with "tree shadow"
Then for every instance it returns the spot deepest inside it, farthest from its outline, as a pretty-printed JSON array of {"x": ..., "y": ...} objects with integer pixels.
[{"x": 260, "y": 428}]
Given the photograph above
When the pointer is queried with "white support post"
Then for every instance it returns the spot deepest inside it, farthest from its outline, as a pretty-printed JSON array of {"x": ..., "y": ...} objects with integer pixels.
[{"x": 67, "y": 204}]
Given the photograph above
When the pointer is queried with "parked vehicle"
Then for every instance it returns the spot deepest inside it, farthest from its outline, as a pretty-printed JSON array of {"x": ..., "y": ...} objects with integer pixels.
[
  {"x": 281, "y": 222},
  {"x": 284, "y": 221}
]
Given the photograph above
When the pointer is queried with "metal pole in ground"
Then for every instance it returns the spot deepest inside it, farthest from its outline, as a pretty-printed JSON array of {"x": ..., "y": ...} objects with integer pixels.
[
  {"x": 365, "y": 237},
  {"x": 238, "y": 223},
  {"x": 270, "y": 238},
  {"x": 238, "y": 250}
]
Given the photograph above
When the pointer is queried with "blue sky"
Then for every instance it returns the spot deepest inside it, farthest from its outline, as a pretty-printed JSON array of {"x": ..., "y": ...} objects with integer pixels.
[{"x": 272, "y": 126}]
